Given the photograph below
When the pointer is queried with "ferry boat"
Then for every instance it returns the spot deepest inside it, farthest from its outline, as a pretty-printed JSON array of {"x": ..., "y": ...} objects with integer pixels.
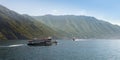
[{"x": 41, "y": 42}]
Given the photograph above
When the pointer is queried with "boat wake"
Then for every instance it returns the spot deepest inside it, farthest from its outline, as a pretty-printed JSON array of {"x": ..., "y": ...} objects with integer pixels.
[
  {"x": 79, "y": 40},
  {"x": 16, "y": 45}
]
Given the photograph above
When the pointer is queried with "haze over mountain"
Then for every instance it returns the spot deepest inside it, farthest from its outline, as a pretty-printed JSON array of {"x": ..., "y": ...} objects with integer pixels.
[
  {"x": 81, "y": 26},
  {"x": 16, "y": 26}
]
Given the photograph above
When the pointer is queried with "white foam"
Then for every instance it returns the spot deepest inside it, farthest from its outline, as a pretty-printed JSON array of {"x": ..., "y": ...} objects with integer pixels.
[
  {"x": 79, "y": 39},
  {"x": 16, "y": 45}
]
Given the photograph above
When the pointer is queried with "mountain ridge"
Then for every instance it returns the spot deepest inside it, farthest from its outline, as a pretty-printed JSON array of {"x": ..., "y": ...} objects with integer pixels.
[
  {"x": 81, "y": 26},
  {"x": 16, "y": 26}
]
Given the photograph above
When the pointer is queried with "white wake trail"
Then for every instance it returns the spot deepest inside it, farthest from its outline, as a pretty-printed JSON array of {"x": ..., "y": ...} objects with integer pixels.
[{"x": 16, "y": 45}]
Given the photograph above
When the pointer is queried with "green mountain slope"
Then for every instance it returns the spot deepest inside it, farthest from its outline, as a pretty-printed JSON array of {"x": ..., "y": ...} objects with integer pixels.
[
  {"x": 16, "y": 26},
  {"x": 81, "y": 26}
]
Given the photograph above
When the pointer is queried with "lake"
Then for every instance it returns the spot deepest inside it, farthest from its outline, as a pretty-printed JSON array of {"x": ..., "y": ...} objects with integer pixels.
[{"x": 64, "y": 50}]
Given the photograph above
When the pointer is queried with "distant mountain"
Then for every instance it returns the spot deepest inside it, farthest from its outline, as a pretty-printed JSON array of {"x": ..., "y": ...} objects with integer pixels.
[
  {"x": 80, "y": 26},
  {"x": 16, "y": 26}
]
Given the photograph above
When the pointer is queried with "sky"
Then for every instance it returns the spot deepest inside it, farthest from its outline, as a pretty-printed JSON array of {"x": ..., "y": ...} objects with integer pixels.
[{"x": 107, "y": 10}]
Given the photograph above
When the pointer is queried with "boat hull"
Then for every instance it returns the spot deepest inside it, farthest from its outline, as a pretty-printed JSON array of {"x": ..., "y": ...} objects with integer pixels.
[{"x": 48, "y": 43}]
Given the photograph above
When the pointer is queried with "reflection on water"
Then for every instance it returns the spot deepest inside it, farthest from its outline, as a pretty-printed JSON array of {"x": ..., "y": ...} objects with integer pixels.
[{"x": 64, "y": 50}]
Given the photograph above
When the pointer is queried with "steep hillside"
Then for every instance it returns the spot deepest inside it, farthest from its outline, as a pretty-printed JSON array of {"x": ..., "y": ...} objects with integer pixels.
[
  {"x": 16, "y": 26},
  {"x": 81, "y": 26}
]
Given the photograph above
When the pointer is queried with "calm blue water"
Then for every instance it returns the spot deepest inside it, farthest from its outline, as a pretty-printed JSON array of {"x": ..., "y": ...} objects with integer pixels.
[{"x": 64, "y": 50}]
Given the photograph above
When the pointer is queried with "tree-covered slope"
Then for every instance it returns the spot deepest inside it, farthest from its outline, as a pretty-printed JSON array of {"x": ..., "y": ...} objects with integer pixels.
[
  {"x": 16, "y": 26},
  {"x": 81, "y": 26}
]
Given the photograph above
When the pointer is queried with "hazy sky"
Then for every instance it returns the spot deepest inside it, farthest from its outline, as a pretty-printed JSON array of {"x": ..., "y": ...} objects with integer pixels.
[{"x": 102, "y": 9}]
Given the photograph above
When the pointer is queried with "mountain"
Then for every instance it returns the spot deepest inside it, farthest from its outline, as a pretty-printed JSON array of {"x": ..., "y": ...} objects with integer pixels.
[
  {"x": 16, "y": 26},
  {"x": 80, "y": 26}
]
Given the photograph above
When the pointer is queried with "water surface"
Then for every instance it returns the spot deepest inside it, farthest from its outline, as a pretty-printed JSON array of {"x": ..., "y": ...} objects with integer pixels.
[{"x": 64, "y": 50}]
